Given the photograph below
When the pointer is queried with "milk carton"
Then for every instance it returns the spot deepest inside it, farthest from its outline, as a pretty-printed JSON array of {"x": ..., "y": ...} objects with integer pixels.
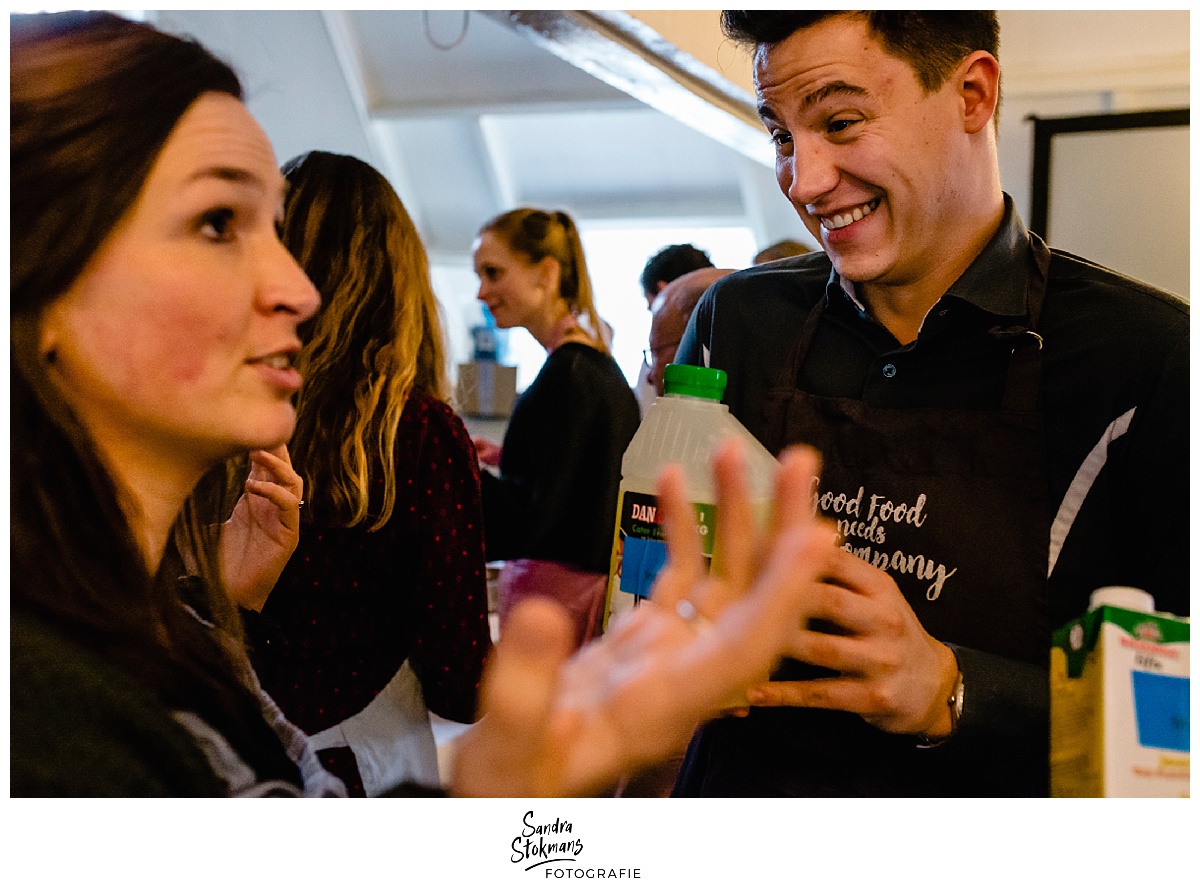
[{"x": 1119, "y": 707}]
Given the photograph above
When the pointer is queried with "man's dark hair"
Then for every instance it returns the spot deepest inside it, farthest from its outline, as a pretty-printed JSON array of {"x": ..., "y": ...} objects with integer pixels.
[
  {"x": 672, "y": 262},
  {"x": 932, "y": 43}
]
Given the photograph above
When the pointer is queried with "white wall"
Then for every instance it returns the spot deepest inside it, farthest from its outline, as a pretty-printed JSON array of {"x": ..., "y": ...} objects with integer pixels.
[{"x": 1143, "y": 175}]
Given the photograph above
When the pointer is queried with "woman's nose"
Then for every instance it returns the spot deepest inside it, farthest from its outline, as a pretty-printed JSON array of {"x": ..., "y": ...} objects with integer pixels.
[{"x": 287, "y": 287}]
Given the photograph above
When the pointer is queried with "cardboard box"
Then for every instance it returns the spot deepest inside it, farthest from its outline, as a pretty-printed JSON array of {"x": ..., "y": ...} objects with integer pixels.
[
  {"x": 486, "y": 389},
  {"x": 1119, "y": 705}
]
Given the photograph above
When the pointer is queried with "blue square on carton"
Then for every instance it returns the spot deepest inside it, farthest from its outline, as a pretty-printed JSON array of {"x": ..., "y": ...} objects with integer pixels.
[
  {"x": 1163, "y": 710},
  {"x": 640, "y": 564}
]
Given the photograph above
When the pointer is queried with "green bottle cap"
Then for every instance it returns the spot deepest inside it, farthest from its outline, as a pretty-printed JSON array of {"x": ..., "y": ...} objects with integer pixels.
[{"x": 696, "y": 382}]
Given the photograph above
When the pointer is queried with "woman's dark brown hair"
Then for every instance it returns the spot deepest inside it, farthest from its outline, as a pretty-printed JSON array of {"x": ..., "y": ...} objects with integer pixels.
[{"x": 93, "y": 99}]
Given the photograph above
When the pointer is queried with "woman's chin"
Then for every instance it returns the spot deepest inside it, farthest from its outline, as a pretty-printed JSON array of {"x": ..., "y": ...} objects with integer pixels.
[{"x": 271, "y": 432}]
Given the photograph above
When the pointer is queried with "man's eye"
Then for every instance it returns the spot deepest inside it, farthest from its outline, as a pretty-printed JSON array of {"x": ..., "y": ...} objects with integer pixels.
[
  {"x": 781, "y": 137},
  {"x": 217, "y": 224},
  {"x": 841, "y": 124}
]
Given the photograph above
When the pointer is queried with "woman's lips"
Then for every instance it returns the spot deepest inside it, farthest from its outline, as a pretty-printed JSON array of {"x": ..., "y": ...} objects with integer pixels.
[{"x": 277, "y": 369}]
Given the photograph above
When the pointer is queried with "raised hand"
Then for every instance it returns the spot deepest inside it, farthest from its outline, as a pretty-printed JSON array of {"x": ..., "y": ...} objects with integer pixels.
[
  {"x": 558, "y": 726},
  {"x": 264, "y": 529}
]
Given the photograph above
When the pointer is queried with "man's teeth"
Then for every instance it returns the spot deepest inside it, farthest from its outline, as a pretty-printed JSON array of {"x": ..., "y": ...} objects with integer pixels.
[
  {"x": 279, "y": 362},
  {"x": 832, "y": 223}
]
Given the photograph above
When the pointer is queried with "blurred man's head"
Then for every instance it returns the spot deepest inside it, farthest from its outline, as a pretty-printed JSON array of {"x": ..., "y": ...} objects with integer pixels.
[
  {"x": 675, "y": 307},
  {"x": 668, "y": 264},
  {"x": 781, "y": 250}
]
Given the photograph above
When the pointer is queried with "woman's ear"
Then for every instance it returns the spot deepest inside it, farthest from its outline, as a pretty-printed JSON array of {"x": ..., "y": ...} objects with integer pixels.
[
  {"x": 50, "y": 333},
  {"x": 549, "y": 272},
  {"x": 978, "y": 80}
]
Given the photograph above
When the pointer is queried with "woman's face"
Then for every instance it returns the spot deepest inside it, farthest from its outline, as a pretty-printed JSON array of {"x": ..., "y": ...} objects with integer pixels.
[
  {"x": 177, "y": 339},
  {"x": 517, "y": 292}
]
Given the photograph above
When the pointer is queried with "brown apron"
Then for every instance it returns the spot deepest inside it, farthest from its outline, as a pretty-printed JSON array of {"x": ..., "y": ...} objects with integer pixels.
[{"x": 953, "y": 504}]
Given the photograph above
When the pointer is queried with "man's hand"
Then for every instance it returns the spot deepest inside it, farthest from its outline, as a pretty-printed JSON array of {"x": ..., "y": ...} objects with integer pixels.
[
  {"x": 264, "y": 529},
  {"x": 893, "y": 673}
]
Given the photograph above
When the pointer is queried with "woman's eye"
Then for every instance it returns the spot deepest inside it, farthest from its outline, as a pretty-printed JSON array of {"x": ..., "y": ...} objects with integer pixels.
[{"x": 217, "y": 224}]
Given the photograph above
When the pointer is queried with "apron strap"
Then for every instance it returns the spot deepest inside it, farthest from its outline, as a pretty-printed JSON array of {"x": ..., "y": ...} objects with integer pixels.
[
  {"x": 773, "y": 417},
  {"x": 1039, "y": 276},
  {"x": 789, "y": 371},
  {"x": 1023, "y": 384}
]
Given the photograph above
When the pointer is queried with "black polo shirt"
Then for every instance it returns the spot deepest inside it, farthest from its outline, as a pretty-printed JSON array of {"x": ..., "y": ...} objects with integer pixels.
[{"x": 1115, "y": 409}]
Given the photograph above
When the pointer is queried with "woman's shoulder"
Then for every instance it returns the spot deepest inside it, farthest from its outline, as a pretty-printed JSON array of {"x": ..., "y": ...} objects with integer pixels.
[
  {"x": 432, "y": 422},
  {"x": 82, "y": 726},
  {"x": 583, "y": 359},
  {"x": 583, "y": 367},
  {"x": 425, "y": 409}
]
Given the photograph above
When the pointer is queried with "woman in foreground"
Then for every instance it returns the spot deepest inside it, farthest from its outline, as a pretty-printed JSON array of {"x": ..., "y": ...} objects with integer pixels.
[{"x": 153, "y": 328}]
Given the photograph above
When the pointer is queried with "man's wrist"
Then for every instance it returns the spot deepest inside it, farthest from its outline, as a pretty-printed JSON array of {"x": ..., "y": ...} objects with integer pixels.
[{"x": 949, "y": 710}]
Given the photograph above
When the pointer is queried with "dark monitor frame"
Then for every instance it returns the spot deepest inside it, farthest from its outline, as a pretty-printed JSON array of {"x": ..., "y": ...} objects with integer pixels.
[{"x": 1046, "y": 128}]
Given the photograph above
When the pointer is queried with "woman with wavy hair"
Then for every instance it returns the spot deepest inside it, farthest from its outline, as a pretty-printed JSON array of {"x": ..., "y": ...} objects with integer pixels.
[
  {"x": 549, "y": 512},
  {"x": 382, "y": 612}
]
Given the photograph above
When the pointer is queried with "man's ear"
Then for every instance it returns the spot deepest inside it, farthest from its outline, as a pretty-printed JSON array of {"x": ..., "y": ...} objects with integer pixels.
[{"x": 978, "y": 80}]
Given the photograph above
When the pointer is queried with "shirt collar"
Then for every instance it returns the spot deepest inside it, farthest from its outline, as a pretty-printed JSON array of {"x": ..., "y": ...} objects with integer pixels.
[
  {"x": 847, "y": 289},
  {"x": 995, "y": 282},
  {"x": 998, "y": 279}
]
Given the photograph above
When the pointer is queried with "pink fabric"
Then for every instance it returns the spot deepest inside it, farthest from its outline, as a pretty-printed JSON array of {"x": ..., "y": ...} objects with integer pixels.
[
  {"x": 559, "y": 334},
  {"x": 580, "y": 592}
]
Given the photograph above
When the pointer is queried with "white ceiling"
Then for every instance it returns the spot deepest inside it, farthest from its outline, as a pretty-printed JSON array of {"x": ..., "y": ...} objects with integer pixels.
[
  {"x": 496, "y": 120},
  {"x": 468, "y": 132}
]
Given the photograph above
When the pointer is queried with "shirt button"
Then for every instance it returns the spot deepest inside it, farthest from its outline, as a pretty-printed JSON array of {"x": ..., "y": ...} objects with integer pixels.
[{"x": 889, "y": 370}]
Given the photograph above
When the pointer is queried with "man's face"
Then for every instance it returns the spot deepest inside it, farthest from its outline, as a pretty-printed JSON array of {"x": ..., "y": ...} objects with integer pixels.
[
  {"x": 871, "y": 162},
  {"x": 666, "y": 332}
]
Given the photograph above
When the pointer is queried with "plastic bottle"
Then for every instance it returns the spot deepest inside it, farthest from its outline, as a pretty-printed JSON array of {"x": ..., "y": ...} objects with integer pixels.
[{"x": 684, "y": 426}]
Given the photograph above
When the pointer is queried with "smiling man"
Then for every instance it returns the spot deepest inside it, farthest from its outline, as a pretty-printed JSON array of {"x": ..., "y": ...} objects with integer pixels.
[{"x": 1003, "y": 426}]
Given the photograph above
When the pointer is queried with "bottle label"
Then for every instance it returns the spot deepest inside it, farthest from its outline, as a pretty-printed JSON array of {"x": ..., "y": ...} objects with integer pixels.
[{"x": 640, "y": 551}]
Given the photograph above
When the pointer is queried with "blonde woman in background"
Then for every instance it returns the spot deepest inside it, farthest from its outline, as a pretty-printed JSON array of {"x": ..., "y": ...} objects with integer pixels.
[
  {"x": 382, "y": 611},
  {"x": 549, "y": 512}
]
